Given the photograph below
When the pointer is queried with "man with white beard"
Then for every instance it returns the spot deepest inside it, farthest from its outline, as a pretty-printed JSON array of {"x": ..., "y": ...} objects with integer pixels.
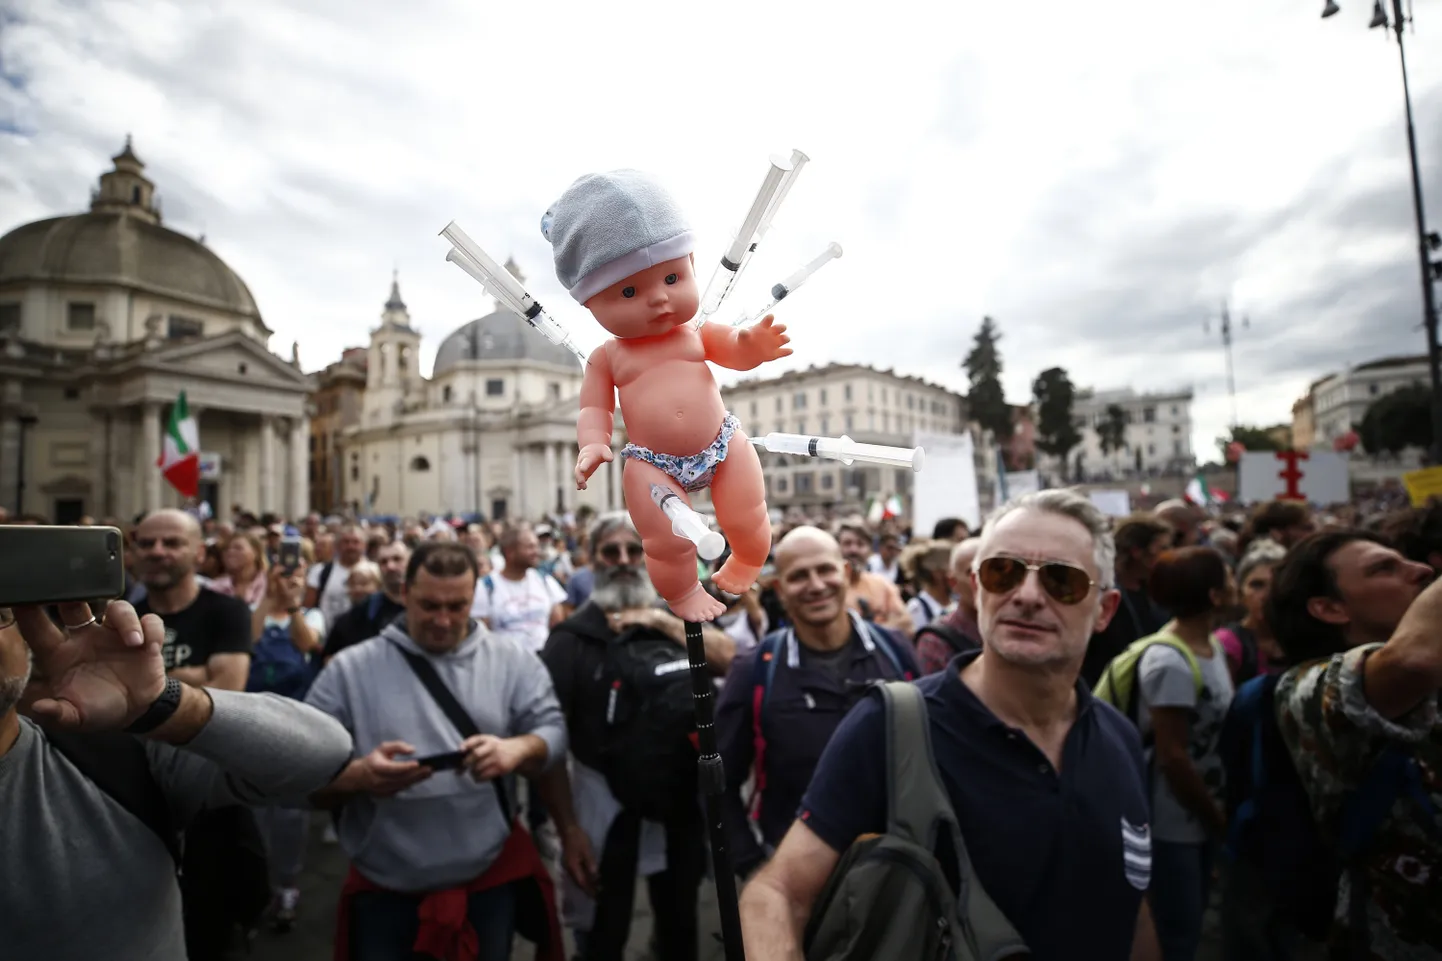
[{"x": 623, "y": 598}]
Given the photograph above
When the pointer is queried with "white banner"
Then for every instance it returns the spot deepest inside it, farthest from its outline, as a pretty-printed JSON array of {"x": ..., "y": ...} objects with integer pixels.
[{"x": 946, "y": 485}]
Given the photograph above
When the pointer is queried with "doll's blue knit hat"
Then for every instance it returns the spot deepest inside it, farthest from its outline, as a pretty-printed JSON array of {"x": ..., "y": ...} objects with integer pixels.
[{"x": 608, "y": 226}]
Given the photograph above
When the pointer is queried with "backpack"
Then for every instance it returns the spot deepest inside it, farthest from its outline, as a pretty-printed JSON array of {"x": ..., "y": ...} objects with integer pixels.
[
  {"x": 648, "y": 756},
  {"x": 277, "y": 667},
  {"x": 1118, "y": 685},
  {"x": 957, "y": 641},
  {"x": 1270, "y": 823},
  {"x": 761, "y": 693},
  {"x": 1247, "y": 669},
  {"x": 890, "y": 895}
]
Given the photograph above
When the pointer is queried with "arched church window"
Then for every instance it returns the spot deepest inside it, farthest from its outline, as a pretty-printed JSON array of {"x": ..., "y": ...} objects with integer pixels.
[{"x": 420, "y": 465}]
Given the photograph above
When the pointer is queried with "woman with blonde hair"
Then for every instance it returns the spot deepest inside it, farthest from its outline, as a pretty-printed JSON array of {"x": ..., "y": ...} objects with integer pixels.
[{"x": 244, "y": 562}]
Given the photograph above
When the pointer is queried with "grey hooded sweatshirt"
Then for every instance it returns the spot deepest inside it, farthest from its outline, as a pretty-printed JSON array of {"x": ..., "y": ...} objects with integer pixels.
[{"x": 448, "y": 829}]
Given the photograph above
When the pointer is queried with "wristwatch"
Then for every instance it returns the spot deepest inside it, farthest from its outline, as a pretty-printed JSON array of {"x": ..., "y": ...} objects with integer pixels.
[{"x": 160, "y": 709}]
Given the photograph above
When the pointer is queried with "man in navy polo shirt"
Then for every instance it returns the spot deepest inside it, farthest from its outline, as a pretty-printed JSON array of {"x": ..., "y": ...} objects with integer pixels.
[{"x": 1048, "y": 784}]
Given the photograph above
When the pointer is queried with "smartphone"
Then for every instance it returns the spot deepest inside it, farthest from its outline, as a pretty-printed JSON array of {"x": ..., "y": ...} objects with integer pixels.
[
  {"x": 443, "y": 762},
  {"x": 52, "y": 565},
  {"x": 289, "y": 557}
]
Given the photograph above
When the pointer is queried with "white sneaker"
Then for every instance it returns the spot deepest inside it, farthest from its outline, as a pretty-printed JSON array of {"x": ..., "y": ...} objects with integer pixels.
[
  {"x": 328, "y": 836},
  {"x": 285, "y": 913}
]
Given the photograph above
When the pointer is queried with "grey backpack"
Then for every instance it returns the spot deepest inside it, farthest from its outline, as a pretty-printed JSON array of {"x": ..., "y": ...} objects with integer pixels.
[{"x": 889, "y": 897}]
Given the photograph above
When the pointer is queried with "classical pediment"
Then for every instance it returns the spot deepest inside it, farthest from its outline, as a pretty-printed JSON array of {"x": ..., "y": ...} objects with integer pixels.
[{"x": 231, "y": 357}]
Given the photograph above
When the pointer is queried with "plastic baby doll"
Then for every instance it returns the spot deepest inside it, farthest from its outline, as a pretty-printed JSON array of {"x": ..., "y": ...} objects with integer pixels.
[{"x": 624, "y": 251}]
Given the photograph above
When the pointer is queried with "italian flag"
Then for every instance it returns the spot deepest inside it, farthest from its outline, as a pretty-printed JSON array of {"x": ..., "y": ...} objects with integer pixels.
[
  {"x": 180, "y": 457},
  {"x": 1198, "y": 492},
  {"x": 880, "y": 510}
]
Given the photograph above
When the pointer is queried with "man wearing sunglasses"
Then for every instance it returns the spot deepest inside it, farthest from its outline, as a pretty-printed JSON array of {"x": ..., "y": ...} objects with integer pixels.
[
  {"x": 1048, "y": 784},
  {"x": 624, "y": 602}
]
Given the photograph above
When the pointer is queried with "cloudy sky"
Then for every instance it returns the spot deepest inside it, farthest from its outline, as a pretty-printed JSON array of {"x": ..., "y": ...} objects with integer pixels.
[{"x": 1097, "y": 177}]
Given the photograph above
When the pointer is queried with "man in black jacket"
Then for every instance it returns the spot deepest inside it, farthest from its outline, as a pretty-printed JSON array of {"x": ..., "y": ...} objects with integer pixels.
[
  {"x": 624, "y": 599},
  {"x": 366, "y": 619}
]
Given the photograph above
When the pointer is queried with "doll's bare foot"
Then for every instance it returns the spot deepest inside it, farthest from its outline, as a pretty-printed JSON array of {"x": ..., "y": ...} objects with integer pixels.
[
  {"x": 696, "y": 605},
  {"x": 736, "y": 577}
]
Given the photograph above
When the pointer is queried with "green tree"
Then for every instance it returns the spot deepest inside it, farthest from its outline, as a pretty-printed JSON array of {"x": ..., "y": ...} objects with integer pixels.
[
  {"x": 1056, "y": 433},
  {"x": 1251, "y": 438},
  {"x": 1398, "y": 420},
  {"x": 986, "y": 400},
  {"x": 1112, "y": 431}
]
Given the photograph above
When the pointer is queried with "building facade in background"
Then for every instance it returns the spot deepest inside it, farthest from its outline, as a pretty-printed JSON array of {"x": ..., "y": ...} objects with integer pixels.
[
  {"x": 105, "y": 318},
  {"x": 335, "y": 408},
  {"x": 492, "y": 431},
  {"x": 1336, "y": 404},
  {"x": 1157, "y": 437},
  {"x": 868, "y": 405}
]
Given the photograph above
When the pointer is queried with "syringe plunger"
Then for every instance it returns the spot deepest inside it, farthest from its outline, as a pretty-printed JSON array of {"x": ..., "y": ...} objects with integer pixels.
[
  {"x": 687, "y": 523},
  {"x": 841, "y": 448}
]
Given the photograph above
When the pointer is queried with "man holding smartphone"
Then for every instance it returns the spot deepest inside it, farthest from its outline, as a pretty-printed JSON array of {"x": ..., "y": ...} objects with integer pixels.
[{"x": 91, "y": 810}]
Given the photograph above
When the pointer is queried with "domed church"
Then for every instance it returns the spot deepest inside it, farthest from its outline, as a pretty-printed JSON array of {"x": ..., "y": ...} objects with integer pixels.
[
  {"x": 491, "y": 432},
  {"x": 105, "y": 318}
]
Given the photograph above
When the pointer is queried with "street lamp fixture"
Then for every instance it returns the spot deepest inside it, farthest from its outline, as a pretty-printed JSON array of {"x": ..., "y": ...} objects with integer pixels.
[{"x": 1427, "y": 241}]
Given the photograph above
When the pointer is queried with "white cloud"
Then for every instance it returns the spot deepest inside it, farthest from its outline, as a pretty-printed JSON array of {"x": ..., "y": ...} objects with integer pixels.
[{"x": 1097, "y": 178}]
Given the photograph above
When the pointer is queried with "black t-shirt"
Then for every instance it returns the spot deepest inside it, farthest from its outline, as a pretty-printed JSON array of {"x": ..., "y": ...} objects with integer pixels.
[
  {"x": 212, "y": 624},
  {"x": 358, "y": 624},
  {"x": 835, "y": 665}
]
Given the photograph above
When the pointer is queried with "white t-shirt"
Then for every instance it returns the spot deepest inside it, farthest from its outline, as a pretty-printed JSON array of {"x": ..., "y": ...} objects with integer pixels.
[
  {"x": 888, "y": 571},
  {"x": 520, "y": 609},
  {"x": 924, "y": 609},
  {"x": 1164, "y": 679},
  {"x": 335, "y": 599}
]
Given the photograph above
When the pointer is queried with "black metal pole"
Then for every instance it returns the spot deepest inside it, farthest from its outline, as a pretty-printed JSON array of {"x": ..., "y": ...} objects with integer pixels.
[
  {"x": 1429, "y": 306},
  {"x": 713, "y": 785}
]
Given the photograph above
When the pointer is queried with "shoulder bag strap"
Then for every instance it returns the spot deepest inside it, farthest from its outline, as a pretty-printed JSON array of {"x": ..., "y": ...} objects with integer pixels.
[{"x": 453, "y": 711}]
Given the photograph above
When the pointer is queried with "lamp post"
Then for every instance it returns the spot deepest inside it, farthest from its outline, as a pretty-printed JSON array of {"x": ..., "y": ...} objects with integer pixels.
[
  {"x": 1427, "y": 242},
  {"x": 27, "y": 421}
]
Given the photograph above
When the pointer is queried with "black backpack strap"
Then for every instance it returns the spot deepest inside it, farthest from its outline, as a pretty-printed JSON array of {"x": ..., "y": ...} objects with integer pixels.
[
  {"x": 119, "y": 766},
  {"x": 458, "y": 716},
  {"x": 326, "y": 570}
]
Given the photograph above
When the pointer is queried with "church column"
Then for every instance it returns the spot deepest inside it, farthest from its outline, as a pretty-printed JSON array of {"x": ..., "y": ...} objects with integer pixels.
[
  {"x": 299, "y": 469},
  {"x": 266, "y": 486},
  {"x": 618, "y": 492},
  {"x": 567, "y": 482},
  {"x": 148, "y": 471},
  {"x": 552, "y": 478}
]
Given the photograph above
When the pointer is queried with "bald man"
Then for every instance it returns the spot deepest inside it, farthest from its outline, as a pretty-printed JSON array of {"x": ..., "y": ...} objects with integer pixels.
[
  {"x": 207, "y": 644},
  {"x": 810, "y": 674},
  {"x": 1185, "y": 519},
  {"x": 207, "y": 635}
]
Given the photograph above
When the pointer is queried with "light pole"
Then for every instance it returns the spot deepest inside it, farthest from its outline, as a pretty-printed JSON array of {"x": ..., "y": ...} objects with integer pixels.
[
  {"x": 1227, "y": 350},
  {"x": 1426, "y": 242}
]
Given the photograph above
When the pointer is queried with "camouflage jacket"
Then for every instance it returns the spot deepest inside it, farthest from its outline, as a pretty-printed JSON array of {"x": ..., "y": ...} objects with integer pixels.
[{"x": 1334, "y": 736}]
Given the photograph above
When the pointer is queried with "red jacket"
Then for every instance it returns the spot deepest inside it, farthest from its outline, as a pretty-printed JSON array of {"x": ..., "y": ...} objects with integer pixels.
[{"x": 445, "y": 933}]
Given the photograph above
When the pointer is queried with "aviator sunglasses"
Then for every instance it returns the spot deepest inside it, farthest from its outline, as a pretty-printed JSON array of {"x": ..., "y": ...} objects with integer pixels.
[
  {"x": 611, "y": 553},
  {"x": 1065, "y": 583}
]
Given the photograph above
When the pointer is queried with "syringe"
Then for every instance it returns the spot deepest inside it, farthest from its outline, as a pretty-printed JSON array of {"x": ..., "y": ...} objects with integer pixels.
[
  {"x": 686, "y": 523},
  {"x": 780, "y": 291},
  {"x": 503, "y": 285},
  {"x": 758, "y": 221},
  {"x": 841, "y": 448}
]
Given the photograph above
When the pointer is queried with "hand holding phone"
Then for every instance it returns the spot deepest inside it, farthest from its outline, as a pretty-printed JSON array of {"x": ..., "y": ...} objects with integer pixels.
[{"x": 450, "y": 761}]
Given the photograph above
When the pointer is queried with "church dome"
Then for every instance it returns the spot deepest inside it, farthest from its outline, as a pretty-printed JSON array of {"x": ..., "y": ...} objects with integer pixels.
[
  {"x": 500, "y": 336},
  {"x": 121, "y": 242},
  {"x": 105, "y": 248}
]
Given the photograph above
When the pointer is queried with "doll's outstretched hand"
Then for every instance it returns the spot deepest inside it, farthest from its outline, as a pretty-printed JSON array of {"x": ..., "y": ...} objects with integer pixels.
[
  {"x": 764, "y": 341},
  {"x": 592, "y": 456}
]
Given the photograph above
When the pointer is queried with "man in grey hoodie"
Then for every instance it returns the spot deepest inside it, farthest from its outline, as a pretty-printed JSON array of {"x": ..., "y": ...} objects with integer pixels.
[
  {"x": 88, "y": 841},
  {"x": 427, "y": 806}
]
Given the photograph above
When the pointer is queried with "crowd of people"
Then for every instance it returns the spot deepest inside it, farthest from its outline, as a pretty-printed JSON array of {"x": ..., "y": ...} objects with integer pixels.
[{"x": 1132, "y": 719}]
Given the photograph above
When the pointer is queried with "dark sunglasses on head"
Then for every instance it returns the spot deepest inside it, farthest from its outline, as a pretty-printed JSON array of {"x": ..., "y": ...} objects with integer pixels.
[
  {"x": 612, "y": 552},
  {"x": 1065, "y": 583}
]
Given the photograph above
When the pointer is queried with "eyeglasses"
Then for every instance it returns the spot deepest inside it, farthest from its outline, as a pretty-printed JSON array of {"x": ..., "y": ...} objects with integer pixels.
[
  {"x": 1065, "y": 583},
  {"x": 611, "y": 553}
]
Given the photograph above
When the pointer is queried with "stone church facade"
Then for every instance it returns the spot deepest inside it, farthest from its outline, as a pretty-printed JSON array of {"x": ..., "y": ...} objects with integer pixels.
[{"x": 105, "y": 317}]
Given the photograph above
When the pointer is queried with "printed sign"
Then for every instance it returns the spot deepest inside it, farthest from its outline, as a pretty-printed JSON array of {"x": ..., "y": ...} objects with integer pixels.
[
  {"x": 209, "y": 465},
  {"x": 1318, "y": 477},
  {"x": 1423, "y": 484}
]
